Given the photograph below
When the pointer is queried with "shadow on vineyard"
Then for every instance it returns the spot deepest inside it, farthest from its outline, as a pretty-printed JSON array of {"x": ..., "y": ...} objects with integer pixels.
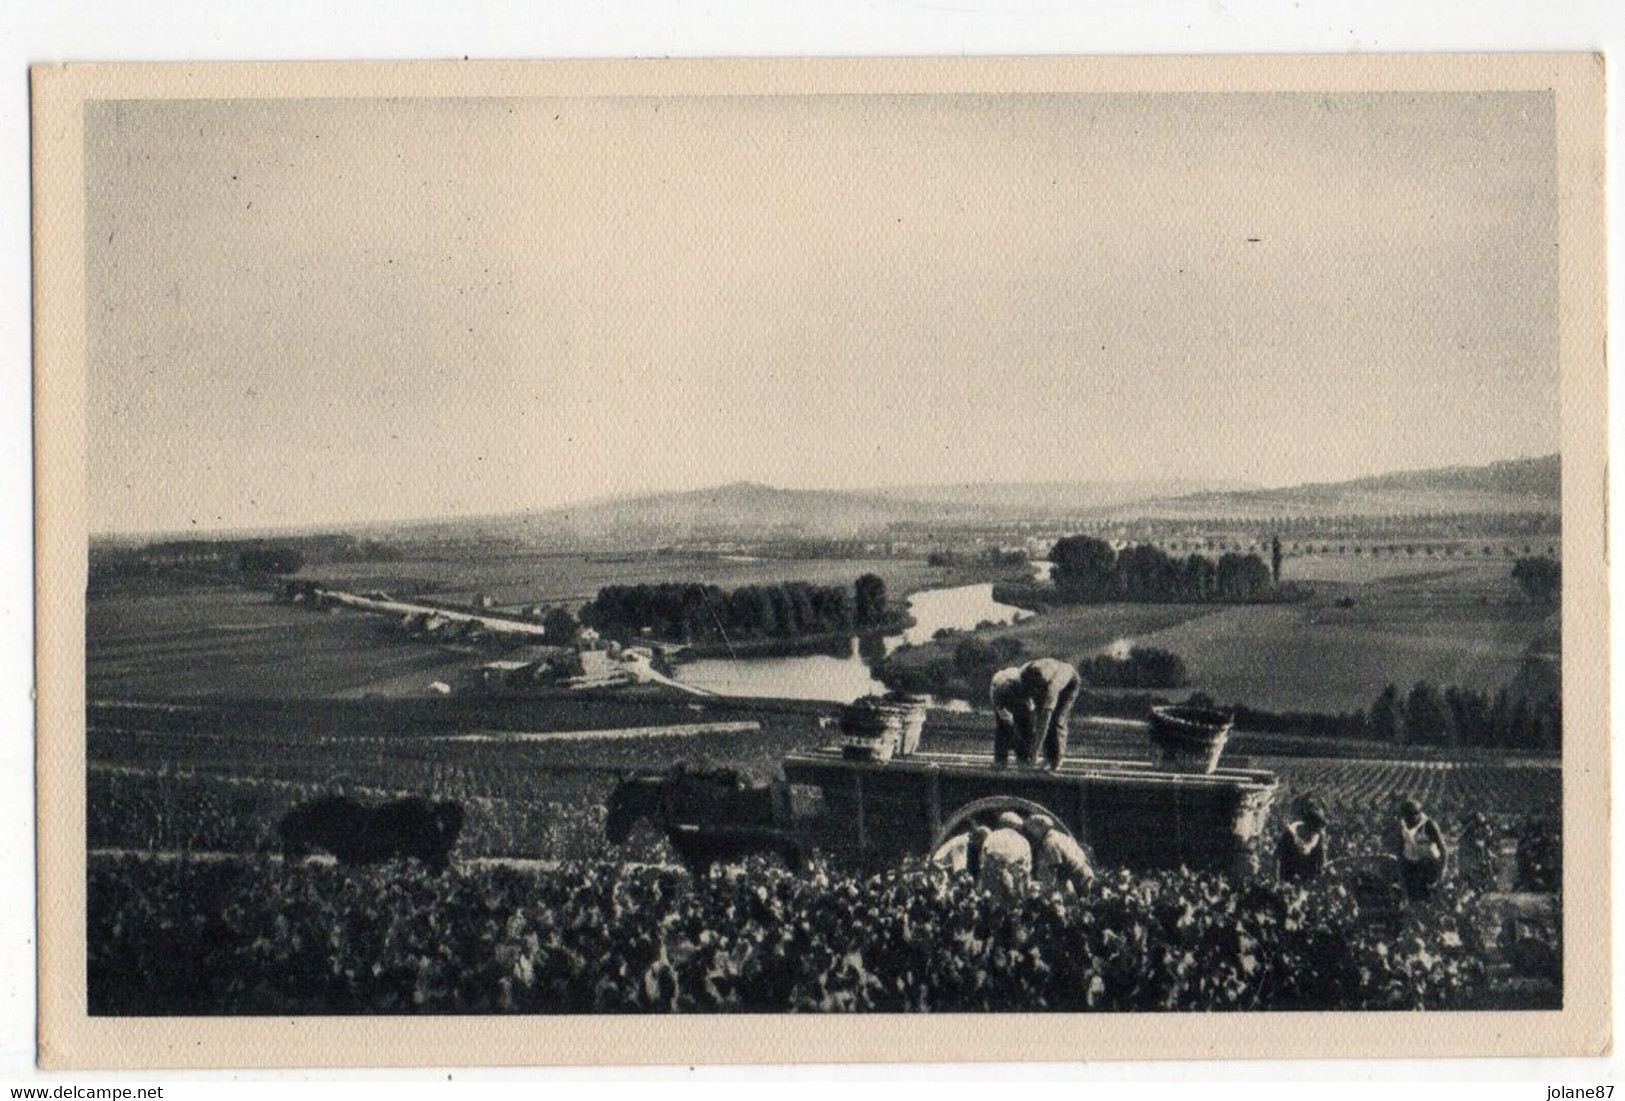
[{"x": 253, "y": 936}]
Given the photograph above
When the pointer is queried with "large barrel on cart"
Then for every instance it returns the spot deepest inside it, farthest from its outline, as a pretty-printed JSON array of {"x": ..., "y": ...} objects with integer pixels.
[{"x": 871, "y": 813}]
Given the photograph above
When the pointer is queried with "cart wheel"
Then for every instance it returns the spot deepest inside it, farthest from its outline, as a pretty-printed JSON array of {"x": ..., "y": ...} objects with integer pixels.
[{"x": 984, "y": 811}]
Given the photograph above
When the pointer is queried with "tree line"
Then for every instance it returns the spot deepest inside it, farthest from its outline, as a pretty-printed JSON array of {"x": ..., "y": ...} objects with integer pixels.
[
  {"x": 1141, "y": 667},
  {"x": 1427, "y": 715},
  {"x": 692, "y": 612},
  {"x": 1089, "y": 571},
  {"x": 1456, "y": 716}
]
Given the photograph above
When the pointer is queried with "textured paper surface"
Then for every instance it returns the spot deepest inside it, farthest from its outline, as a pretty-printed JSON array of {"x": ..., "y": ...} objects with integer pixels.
[{"x": 68, "y": 1038}]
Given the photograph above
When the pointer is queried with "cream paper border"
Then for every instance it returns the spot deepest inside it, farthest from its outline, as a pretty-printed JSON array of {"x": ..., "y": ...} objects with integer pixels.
[{"x": 68, "y": 1038}]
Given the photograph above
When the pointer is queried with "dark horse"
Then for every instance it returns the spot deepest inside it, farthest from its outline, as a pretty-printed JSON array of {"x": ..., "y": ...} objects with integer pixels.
[
  {"x": 359, "y": 833},
  {"x": 710, "y": 816}
]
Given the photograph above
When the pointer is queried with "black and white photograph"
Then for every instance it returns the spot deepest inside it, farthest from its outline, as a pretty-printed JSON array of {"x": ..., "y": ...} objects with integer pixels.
[{"x": 1091, "y": 550}]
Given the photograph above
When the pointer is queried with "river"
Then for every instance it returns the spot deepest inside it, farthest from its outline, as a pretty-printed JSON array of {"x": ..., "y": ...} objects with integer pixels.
[{"x": 843, "y": 679}]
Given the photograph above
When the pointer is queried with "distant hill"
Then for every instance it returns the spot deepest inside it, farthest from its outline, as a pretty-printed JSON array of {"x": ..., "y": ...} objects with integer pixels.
[
  {"x": 1516, "y": 485},
  {"x": 1054, "y": 499},
  {"x": 1540, "y": 478},
  {"x": 747, "y": 511},
  {"x": 740, "y": 511}
]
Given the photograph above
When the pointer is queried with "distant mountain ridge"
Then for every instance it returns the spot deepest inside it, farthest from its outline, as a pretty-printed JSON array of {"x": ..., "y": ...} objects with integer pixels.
[
  {"x": 1057, "y": 498},
  {"x": 1537, "y": 477},
  {"x": 749, "y": 511},
  {"x": 1512, "y": 485},
  {"x": 738, "y": 511}
]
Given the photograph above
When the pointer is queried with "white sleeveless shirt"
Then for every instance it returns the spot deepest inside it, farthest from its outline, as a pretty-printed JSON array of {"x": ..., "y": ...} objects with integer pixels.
[{"x": 1418, "y": 845}]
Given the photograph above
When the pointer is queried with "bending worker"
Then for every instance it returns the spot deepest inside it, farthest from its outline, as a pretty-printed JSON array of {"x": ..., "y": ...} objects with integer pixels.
[
  {"x": 1058, "y": 860},
  {"x": 1006, "y": 860},
  {"x": 1032, "y": 704}
]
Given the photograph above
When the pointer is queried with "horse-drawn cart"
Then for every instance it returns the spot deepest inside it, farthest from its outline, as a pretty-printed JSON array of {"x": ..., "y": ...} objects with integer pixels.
[
  {"x": 871, "y": 813},
  {"x": 867, "y": 801}
]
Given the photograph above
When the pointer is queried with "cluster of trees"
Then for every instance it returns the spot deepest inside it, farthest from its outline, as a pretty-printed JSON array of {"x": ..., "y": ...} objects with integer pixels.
[
  {"x": 1088, "y": 570},
  {"x": 988, "y": 556},
  {"x": 965, "y": 671},
  {"x": 695, "y": 613},
  {"x": 1144, "y": 667},
  {"x": 213, "y": 559},
  {"x": 1541, "y": 579},
  {"x": 1427, "y": 715},
  {"x": 961, "y": 673},
  {"x": 278, "y": 560},
  {"x": 559, "y": 626},
  {"x": 1467, "y": 717}
]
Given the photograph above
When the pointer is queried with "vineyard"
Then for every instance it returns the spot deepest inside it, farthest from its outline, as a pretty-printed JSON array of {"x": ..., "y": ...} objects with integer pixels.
[
  {"x": 192, "y": 911},
  {"x": 258, "y": 938}
]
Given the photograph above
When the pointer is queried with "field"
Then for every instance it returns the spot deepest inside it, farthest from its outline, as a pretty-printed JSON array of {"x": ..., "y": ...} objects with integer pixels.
[
  {"x": 1452, "y": 624},
  {"x": 1369, "y": 623},
  {"x": 227, "y": 641}
]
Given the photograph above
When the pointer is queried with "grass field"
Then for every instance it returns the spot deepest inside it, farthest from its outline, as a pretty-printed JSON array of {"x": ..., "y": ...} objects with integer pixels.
[
  {"x": 226, "y": 641},
  {"x": 1452, "y": 624},
  {"x": 1359, "y": 569}
]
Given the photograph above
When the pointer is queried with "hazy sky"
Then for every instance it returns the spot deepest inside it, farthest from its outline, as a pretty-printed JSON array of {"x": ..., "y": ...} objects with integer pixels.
[{"x": 317, "y": 311}]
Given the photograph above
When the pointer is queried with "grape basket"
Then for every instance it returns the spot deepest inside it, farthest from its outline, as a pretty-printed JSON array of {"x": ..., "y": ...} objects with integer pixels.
[{"x": 1189, "y": 739}]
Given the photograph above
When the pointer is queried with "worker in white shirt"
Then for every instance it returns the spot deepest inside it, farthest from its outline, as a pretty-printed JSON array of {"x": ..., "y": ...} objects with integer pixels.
[
  {"x": 1421, "y": 850},
  {"x": 1007, "y": 859},
  {"x": 962, "y": 852}
]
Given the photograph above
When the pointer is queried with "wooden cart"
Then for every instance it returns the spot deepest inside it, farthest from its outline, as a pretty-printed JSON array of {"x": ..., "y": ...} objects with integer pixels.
[{"x": 1131, "y": 814}]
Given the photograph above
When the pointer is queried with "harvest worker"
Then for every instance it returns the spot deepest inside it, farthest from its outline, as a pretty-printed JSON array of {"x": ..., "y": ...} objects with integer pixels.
[
  {"x": 1421, "y": 850},
  {"x": 1032, "y": 704},
  {"x": 1007, "y": 859},
  {"x": 1058, "y": 859},
  {"x": 962, "y": 852},
  {"x": 1301, "y": 853}
]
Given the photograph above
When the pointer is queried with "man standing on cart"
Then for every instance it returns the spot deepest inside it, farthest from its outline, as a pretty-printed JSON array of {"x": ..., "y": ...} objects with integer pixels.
[{"x": 1032, "y": 704}]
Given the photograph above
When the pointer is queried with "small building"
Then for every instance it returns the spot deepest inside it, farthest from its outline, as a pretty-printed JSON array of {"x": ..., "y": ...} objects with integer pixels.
[{"x": 596, "y": 663}]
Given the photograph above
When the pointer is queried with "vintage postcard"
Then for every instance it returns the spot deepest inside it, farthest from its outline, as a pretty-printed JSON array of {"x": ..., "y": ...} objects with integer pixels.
[{"x": 821, "y": 561}]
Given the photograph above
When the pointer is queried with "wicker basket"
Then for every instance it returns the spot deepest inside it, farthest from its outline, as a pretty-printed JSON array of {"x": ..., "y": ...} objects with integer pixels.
[
  {"x": 1189, "y": 739},
  {"x": 870, "y": 730},
  {"x": 910, "y": 712}
]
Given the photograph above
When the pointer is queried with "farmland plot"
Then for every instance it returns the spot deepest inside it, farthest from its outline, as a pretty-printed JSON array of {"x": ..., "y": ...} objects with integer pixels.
[
  {"x": 1361, "y": 568},
  {"x": 1462, "y": 624},
  {"x": 1290, "y": 658},
  {"x": 231, "y": 642}
]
